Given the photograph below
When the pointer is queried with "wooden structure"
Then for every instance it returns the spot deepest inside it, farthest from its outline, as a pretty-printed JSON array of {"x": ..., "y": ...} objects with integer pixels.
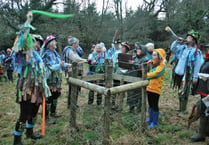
[{"x": 107, "y": 91}]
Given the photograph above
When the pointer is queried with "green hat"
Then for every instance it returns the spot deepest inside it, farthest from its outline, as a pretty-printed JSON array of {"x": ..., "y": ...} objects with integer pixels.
[{"x": 195, "y": 35}]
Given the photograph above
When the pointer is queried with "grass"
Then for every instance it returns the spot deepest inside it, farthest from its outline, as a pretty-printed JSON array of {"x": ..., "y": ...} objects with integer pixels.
[{"x": 124, "y": 129}]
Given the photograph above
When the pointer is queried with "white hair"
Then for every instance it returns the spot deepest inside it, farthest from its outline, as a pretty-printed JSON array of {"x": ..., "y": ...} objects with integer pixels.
[
  {"x": 148, "y": 45},
  {"x": 98, "y": 45},
  {"x": 103, "y": 46},
  {"x": 73, "y": 40}
]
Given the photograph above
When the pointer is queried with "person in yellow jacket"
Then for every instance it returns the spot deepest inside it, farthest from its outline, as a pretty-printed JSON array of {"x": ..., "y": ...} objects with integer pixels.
[{"x": 155, "y": 75}]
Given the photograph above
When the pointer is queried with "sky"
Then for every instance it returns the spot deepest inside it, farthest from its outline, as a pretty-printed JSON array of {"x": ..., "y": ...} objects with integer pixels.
[{"x": 133, "y": 4}]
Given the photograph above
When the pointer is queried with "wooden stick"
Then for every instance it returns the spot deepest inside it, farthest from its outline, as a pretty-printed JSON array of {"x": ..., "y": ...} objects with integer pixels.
[{"x": 43, "y": 117}]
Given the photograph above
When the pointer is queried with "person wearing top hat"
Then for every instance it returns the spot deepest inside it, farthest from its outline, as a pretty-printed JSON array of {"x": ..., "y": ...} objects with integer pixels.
[
  {"x": 189, "y": 59},
  {"x": 203, "y": 91},
  {"x": 112, "y": 54}
]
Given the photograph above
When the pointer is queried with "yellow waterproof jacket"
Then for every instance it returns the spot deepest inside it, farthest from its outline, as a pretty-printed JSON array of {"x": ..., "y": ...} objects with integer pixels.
[{"x": 156, "y": 74}]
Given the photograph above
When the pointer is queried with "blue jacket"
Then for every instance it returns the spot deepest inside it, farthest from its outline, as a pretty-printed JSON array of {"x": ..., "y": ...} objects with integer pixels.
[
  {"x": 186, "y": 58},
  {"x": 20, "y": 61},
  {"x": 52, "y": 59}
]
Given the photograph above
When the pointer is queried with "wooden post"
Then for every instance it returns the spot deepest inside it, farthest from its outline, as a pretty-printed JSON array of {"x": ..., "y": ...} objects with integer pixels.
[
  {"x": 73, "y": 97},
  {"x": 107, "y": 104},
  {"x": 144, "y": 97},
  {"x": 121, "y": 95}
]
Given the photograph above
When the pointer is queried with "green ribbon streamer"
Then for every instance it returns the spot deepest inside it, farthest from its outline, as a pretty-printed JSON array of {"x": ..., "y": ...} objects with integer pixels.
[
  {"x": 53, "y": 15},
  {"x": 25, "y": 72},
  {"x": 19, "y": 93}
]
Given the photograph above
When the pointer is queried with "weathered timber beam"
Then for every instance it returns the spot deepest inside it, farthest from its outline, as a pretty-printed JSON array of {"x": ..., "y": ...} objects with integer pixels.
[
  {"x": 128, "y": 87},
  {"x": 126, "y": 78},
  {"x": 92, "y": 77},
  {"x": 87, "y": 85}
]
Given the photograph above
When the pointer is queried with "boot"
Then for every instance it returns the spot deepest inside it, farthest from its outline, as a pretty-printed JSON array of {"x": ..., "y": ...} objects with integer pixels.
[
  {"x": 150, "y": 119},
  {"x": 99, "y": 99},
  {"x": 131, "y": 109},
  {"x": 154, "y": 123},
  {"x": 200, "y": 136},
  {"x": 49, "y": 121},
  {"x": 17, "y": 140},
  {"x": 55, "y": 115},
  {"x": 183, "y": 105},
  {"x": 91, "y": 97},
  {"x": 30, "y": 134}
]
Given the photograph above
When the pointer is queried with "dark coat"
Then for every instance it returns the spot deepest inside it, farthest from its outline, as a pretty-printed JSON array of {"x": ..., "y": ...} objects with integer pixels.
[
  {"x": 134, "y": 96},
  {"x": 202, "y": 85}
]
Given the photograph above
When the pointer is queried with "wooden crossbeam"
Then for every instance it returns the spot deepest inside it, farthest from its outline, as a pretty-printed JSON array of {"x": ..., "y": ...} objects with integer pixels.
[
  {"x": 126, "y": 78},
  {"x": 128, "y": 87},
  {"x": 92, "y": 77},
  {"x": 87, "y": 85}
]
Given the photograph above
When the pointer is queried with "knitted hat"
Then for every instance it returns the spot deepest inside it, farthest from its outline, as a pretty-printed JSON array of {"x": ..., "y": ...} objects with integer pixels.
[
  {"x": 48, "y": 39},
  {"x": 126, "y": 45},
  {"x": 196, "y": 37},
  {"x": 9, "y": 50}
]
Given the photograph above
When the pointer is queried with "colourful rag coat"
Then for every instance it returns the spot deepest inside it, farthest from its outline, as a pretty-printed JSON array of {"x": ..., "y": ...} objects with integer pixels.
[
  {"x": 31, "y": 82},
  {"x": 156, "y": 74}
]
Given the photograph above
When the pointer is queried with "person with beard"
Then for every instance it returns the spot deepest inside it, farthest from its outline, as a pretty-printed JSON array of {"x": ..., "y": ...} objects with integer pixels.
[
  {"x": 134, "y": 96},
  {"x": 155, "y": 75},
  {"x": 189, "y": 59},
  {"x": 202, "y": 89}
]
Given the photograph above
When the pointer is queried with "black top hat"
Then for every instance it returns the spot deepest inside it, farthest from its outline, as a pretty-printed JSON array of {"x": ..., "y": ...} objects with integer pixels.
[{"x": 116, "y": 41}]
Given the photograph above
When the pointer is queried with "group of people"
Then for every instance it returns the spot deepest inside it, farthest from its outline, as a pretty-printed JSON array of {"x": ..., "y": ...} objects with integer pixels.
[{"x": 39, "y": 75}]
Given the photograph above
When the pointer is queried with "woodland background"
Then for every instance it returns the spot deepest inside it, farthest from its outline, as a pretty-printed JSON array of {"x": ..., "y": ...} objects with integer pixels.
[{"x": 146, "y": 24}]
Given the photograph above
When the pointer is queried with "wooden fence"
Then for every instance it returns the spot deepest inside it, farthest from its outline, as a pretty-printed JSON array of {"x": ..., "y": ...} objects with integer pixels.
[{"x": 108, "y": 90}]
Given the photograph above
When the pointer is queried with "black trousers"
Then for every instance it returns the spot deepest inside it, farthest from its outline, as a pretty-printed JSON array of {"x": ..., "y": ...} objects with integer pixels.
[
  {"x": 10, "y": 75},
  {"x": 153, "y": 100},
  {"x": 51, "y": 103},
  {"x": 28, "y": 112}
]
